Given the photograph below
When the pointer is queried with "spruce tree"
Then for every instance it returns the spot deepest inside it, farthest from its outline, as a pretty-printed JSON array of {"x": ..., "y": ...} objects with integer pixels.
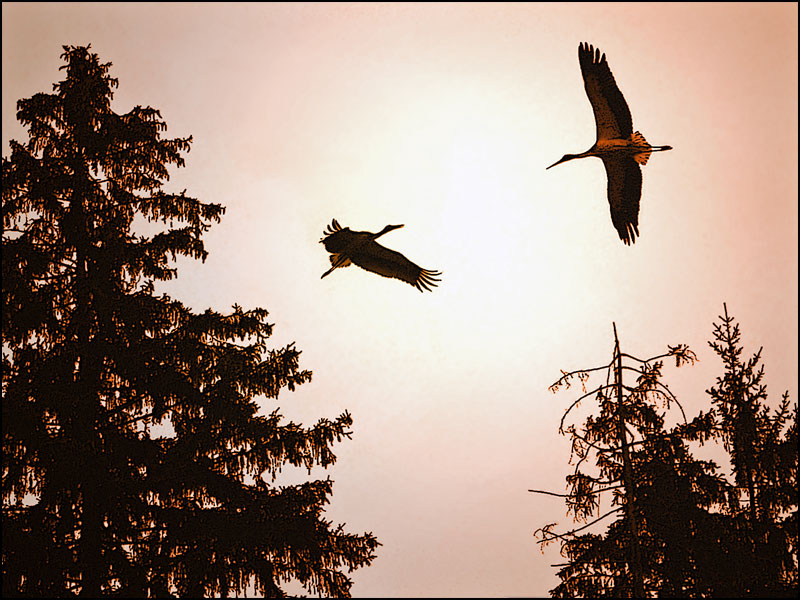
[
  {"x": 625, "y": 452},
  {"x": 762, "y": 443},
  {"x": 135, "y": 460}
]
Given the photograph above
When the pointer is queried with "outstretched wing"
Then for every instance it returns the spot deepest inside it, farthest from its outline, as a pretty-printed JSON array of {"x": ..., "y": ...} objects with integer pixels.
[
  {"x": 338, "y": 239},
  {"x": 331, "y": 229},
  {"x": 611, "y": 112},
  {"x": 624, "y": 191},
  {"x": 378, "y": 259}
]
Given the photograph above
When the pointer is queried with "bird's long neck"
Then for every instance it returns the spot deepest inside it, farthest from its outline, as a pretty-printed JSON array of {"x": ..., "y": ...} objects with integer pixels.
[
  {"x": 568, "y": 157},
  {"x": 386, "y": 229}
]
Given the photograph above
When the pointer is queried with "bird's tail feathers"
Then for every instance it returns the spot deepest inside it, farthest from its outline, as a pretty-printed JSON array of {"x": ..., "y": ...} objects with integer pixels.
[
  {"x": 644, "y": 156},
  {"x": 337, "y": 260}
]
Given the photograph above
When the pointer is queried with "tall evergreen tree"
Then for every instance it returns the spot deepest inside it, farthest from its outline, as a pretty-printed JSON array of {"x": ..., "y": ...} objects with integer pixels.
[
  {"x": 94, "y": 501},
  {"x": 762, "y": 444},
  {"x": 625, "y": 451}
]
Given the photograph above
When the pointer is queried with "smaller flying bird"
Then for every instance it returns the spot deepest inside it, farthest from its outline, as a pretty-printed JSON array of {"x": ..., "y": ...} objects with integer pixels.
[
  {"x": 360, "y": 248},
  {"x": 621, "y": 149}
]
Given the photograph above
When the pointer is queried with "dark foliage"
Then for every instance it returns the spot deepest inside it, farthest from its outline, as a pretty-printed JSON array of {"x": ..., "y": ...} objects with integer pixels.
[
  {"x": 135, "y": 460},
  {"x": 681, "y": 528}
]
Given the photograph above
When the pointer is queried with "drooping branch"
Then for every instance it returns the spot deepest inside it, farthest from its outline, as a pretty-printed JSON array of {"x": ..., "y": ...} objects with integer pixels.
[{"x": 548, "y": 535}]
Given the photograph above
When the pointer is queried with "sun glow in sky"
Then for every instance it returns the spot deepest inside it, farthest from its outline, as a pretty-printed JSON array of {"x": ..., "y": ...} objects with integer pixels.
[{"x": 443, "y": 117}]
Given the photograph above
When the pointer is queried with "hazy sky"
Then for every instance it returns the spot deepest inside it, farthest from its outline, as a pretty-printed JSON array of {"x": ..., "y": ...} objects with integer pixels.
[{"x": 443, "y": 117}]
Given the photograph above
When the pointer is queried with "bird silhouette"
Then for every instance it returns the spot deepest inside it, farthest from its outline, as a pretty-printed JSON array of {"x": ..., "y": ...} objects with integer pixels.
[
  {"x": 621, "y": 149},
  {"x": 360, "y": 248}
]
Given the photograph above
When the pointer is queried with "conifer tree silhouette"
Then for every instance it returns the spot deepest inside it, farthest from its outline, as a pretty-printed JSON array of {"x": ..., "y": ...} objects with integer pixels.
[
  {"x": 761, "y": 504},
  {"x": 682, "y": 529},
  {"x": 95, "y": 500},
  {"x": 628, "y": 426}
]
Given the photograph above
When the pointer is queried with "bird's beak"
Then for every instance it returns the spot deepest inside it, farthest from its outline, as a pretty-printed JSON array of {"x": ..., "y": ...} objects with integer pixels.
[{"x": 558, "y": 162}]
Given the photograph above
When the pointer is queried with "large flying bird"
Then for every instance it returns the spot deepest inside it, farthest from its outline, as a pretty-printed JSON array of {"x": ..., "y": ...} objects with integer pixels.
[
  {"x": 360, "y": 248},
  {"x": 621, "y": 149}
]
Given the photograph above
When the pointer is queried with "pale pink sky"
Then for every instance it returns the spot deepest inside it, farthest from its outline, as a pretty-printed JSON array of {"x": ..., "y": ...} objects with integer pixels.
[{"x": 443, "y": 117}]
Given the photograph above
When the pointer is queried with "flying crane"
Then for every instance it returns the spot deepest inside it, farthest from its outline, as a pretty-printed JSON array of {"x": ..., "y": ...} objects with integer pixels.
[
  {"x": 621, "y": 149},
  {"x": 360, "y": 248}
]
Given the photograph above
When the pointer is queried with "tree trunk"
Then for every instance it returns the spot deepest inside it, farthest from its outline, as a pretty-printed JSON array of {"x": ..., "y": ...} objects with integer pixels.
[
  {"x": 86, "y": 403},
  {"x": 630, "y": 486}
]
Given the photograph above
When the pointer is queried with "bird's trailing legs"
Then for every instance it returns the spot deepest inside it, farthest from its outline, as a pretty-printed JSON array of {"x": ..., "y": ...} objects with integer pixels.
[{"x": 340, "y": 261}]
